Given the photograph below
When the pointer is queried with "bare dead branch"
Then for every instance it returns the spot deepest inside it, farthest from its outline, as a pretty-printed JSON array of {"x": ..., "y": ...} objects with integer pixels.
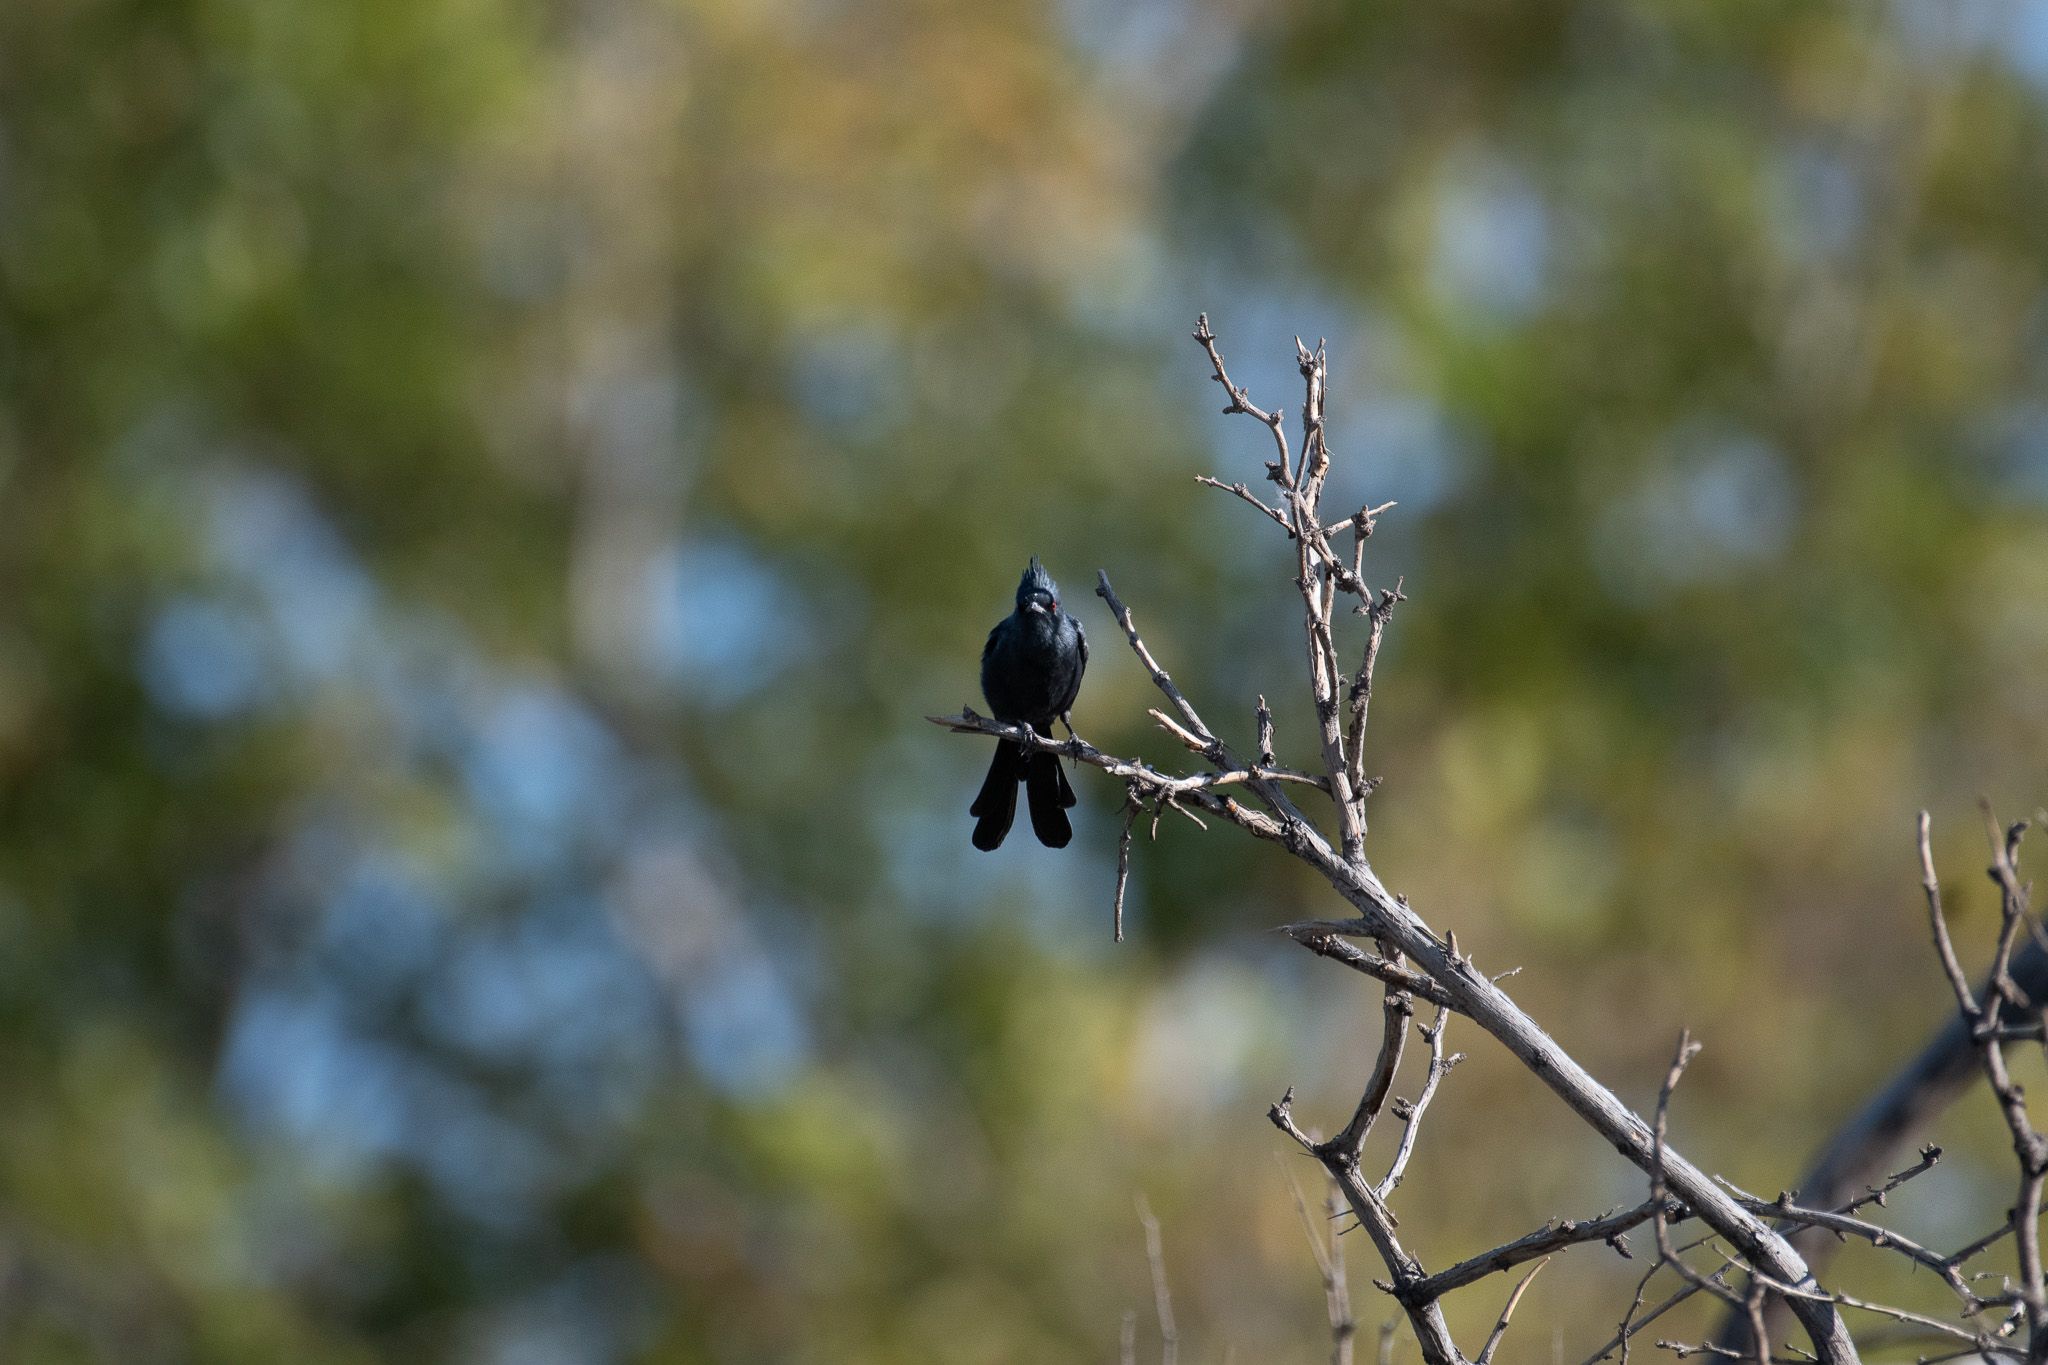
[
  {"x": 1684, "y": 1350},
  {"x": 1160, "y": 677},
  {"x": 1882, "y": 1238},
  {"x": 1982, "y": 1244},
  {"x": 1411, "y": 1114},
  {"x": 1315, "y": 448},
  {"x": 1281, "y": 472},
  {"x": 1944, "y": 947},
  {"x": 1247, "y": 495},
  {"x": 1200, "y": 744},
  {"x": 1500, "y": 1328},
  {"x": 1398, "y": 1010},
  {"x": 1739, "y": 1341},
  {"x": 1360, "y": 695},
  {"x": 2027, "y": 1144},
  {"x": 1545, "y": 1241},
  {"x": 1877, "y": 1194},
  {"x": 1325, "y": 938},
  {"x": 1360, "y": 523},
  {"x": 1984, "y": 1343},
  {"x": 1628, "y": 1327},
  {"x": 1261, "y": 772},
  {"x": 1426, "y": 1319},
  {"x": 1316, "y": 564},
  {"x": 1475, "y": 995}
]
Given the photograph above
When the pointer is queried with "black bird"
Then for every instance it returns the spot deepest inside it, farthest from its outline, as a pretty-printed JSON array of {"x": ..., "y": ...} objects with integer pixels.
[{"x": 1030, "y": 671}]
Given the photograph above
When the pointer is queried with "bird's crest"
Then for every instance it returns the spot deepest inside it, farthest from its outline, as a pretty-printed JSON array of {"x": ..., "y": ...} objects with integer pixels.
[{"x": 1037, "y": 580}]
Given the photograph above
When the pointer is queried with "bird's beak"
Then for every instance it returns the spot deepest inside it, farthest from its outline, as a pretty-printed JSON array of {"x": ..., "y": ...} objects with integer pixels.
[{"x": 1034, "y": 606}]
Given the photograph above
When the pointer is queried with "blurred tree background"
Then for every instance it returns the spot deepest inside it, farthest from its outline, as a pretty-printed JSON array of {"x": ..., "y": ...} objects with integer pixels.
[{"x": 488, "y": 491}]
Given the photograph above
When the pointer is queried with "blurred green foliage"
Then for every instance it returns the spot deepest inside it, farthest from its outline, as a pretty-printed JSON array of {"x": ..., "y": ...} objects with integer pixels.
[{"x": 488, "y": 491}]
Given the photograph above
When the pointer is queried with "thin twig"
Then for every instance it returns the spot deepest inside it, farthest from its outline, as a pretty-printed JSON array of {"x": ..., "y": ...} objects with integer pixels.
[
  {"x": 1945, "y": 948},
  {"x": 1162, "y": 1298},
  {"x": 1200, "y": 744},
  {"x": 1330, "y": 1267},
  {"x": 1160, "y": 677},
  {"x": 1398, "y": 1009},
  {"x": 1132, "y": 805},
  {"x": 1877, "y": 1194},
  {"x": 1500, "y": 1328},
  {"x": 1411, "y": 1114},
  {"x": 1659, "y": 1221},
  {"x": 1545, "y": 1241},
  {"x": 1248, "y": 496},
  {"x": 1984, "y": 1243},
  {"x": 1844, "y": 1225},
  {"x": 1360, "y": 696},
  {"x": 1281, "y": 472},
  {"x": 1628, "y": 1317},
  {"x": 1343, "y": 1325},
  {"x": 1631, "y": 1325},
  {"x": 1325, "y": 938}
]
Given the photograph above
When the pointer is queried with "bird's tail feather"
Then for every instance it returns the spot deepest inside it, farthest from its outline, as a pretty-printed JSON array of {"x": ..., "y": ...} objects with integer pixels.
[
  {"x": 1047, "y": 790},
  {"x": 995, "y": 808}
]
